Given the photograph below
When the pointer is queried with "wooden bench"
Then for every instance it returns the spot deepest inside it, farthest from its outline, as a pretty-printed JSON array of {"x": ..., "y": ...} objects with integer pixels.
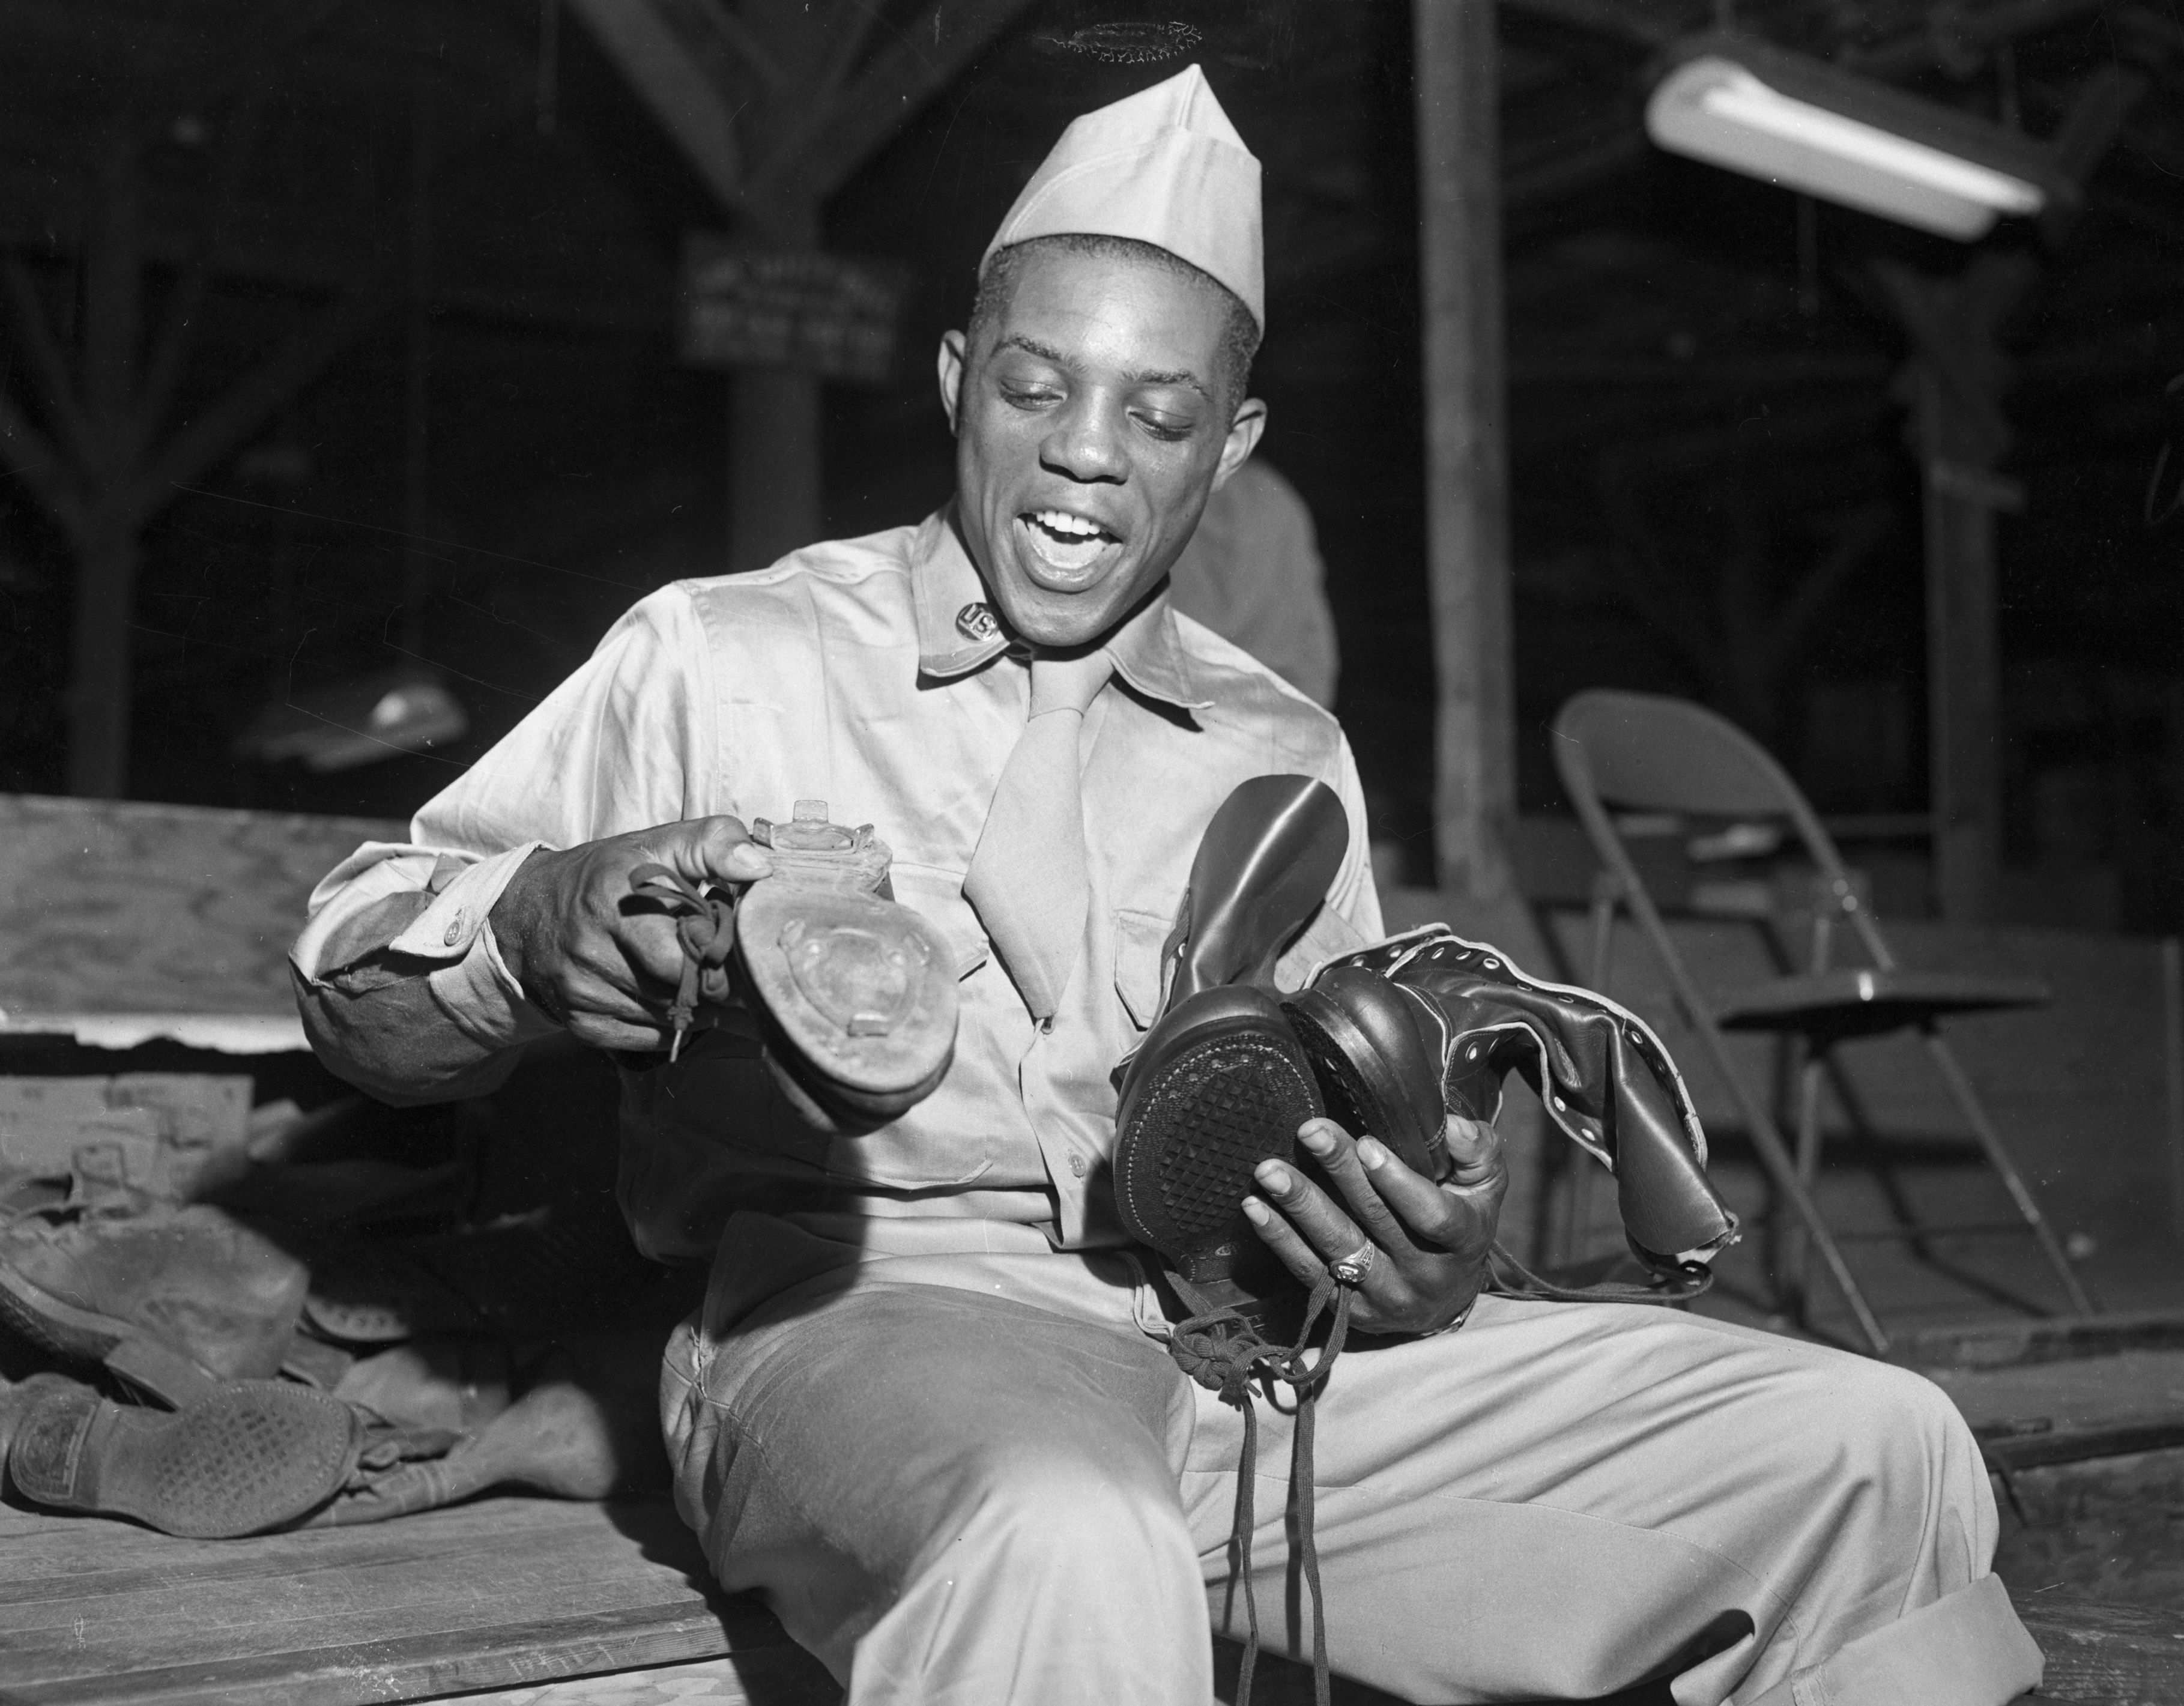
[
  {"x": 529, "y": 1596},
  {"x": 515, "y": 1595},
  {"x": 487, "y": 1594},
  {"x": 163, "y": 930}
]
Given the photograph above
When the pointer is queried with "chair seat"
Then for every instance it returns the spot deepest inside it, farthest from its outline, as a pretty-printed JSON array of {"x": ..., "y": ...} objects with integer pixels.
[{"x": 1862, "y": 1002}]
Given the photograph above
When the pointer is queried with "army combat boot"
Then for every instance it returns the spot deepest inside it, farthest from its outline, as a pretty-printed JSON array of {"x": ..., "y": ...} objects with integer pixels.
[
  {"x": 173, "y": 1299},
  {"x": 1220, "y": 1081},
  {"x": 849, "y": 996},
  {"x": 1428, "y": 1024}
]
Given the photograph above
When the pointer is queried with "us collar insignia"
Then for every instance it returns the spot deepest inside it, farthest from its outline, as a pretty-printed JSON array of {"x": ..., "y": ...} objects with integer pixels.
[{"x": 977, "y": 622}]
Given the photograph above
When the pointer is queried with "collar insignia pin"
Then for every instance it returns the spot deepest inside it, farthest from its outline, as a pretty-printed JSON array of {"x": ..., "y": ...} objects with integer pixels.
[{"x": 976, "y": 622}]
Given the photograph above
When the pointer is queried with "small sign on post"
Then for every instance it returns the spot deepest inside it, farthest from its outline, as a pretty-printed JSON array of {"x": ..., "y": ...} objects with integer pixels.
[{"x": 814, "y": 313}]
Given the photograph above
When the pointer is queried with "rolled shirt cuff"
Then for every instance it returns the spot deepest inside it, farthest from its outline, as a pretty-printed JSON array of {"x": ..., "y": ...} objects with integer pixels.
[
  {"x": 483, "y": 999},
  {"x": 454, "y": 894},
  {"x": 447, "y": 929}
]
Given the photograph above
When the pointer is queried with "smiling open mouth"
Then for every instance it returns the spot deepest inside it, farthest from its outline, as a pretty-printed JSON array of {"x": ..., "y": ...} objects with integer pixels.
[{"x": 1073, "y": 545}]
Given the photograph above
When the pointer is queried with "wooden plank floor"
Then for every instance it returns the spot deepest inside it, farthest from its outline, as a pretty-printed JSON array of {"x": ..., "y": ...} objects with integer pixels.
[
  {"x": 514, "y": 1602},
  {"x": 2045, "y": 1412},
  {"x": 501, "y": 1592}
]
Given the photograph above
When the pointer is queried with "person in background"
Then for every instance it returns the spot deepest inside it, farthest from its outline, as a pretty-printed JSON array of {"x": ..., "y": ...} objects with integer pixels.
[{"x": 1252, "y": 573}]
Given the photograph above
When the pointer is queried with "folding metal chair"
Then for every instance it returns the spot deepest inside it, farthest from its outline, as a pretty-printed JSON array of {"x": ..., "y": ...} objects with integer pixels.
[{"x": 1642, "y": 753}]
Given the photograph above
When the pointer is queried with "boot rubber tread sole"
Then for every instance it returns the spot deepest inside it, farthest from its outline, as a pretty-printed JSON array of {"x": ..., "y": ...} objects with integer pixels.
[
  {"x": 255, "y": 1455},
  {"x": 1197, "y": 1129}
]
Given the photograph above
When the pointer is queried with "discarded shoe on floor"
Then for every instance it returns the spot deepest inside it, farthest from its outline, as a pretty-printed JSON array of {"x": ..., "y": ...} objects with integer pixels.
[
  {"x": 172, "y": 1299},
  {"x": 244, "y": 1457},
  {"x": 852, "y": 995}
]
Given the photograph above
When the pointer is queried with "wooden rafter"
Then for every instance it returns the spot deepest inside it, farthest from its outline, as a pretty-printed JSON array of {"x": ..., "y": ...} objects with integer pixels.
[
  {"x": 253, "y": 399},
  {"x": 698, "y": 115},
  {"x": 34, "y": 336},
  {"x": 170, "y": 347},
  {"x": 112, "y": 472},
  {"x": 852, "y": 31},
  {"x": 720, "y": 37},
  {"x": 826, "y": 152},
  {"x": 34, "y": 461}
]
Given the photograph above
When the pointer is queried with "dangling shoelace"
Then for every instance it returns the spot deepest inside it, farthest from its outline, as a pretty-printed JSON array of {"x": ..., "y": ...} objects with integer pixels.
[
  {"x": 1224, "y": 1353},
  {"x": 705, "y": 925}
]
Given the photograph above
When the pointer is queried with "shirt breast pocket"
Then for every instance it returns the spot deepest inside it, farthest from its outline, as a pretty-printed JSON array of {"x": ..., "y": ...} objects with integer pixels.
[
  {"x": 1140, "y": 973},
  {"x": 938, "y": 895}
]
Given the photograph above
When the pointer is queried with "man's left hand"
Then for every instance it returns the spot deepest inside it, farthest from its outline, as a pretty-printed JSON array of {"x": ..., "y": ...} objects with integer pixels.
[{"x": 1428, "y": 1241}]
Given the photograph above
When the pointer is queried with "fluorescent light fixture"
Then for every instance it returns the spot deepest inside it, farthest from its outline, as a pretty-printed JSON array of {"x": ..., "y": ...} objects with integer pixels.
[{"x": 1787, "y": 119}]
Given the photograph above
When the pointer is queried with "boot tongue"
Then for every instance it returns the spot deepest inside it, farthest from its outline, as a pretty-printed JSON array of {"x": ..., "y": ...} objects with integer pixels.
[{"x": 1263, "y": 866}]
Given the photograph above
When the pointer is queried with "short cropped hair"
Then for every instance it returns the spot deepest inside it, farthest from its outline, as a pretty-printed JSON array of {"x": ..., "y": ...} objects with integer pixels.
[{"x": 1240, "y": 331}]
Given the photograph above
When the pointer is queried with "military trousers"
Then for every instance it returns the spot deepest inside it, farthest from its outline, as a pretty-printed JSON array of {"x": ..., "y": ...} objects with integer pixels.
[{"x": 973, "y": 1476}]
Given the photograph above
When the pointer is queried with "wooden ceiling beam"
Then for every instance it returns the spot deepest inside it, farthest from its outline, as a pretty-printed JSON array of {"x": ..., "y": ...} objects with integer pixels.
[
  {"x": 690, "y": 105},
  {"x": 251, "y": 401},
  {"x": 818, "y": 158},
  {"x": 33, "y": 329},
  {"x": 34, "y": 460},
  {"x": 731, "y": 50},
  {"x": 852, "y": 30}
]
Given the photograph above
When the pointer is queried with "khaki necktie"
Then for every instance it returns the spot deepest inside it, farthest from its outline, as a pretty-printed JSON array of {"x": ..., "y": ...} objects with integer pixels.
[{"x": 1028, "y": 875}]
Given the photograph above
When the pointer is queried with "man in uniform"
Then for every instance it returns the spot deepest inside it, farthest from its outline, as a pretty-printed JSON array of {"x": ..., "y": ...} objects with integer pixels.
[{"x": 926, "y": 1410}]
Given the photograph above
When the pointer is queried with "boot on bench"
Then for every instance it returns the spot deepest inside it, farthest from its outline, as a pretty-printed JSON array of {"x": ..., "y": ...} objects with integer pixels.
[{"x": 174, "y": 1300}]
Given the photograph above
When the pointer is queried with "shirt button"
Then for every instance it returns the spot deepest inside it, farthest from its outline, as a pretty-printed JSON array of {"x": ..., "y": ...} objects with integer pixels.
[
  {"x": 454, "y": 930},
  {"x": 1077, "y": 1165}
]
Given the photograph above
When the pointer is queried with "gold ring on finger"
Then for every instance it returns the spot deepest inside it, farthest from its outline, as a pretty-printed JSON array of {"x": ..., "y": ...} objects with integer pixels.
[{"x": 1352, "y": 1269}]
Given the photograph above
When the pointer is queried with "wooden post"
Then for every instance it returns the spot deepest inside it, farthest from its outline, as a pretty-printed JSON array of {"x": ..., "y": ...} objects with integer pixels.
[
  {"x": 1468, "y": 528},
  {"x": 775, "y": 423},
  {"x": 417, "y": 370},
  {"x": 106, "y": 545},
  {"x": 1466, "y": 445},
  {"x": 101, "y": 471},
  {"x": 786, "y": 82},
  {"x": 1953, "y": 385}
]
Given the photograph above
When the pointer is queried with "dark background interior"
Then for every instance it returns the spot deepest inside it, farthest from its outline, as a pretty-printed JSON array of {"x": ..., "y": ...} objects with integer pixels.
[{"x": 1712, "y": 493}]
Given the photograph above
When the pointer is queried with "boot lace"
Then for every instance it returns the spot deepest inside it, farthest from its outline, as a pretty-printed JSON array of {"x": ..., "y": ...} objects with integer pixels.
[
  {"x": 705, "y": 925},
  {"x": 1226, "y": 1354}
]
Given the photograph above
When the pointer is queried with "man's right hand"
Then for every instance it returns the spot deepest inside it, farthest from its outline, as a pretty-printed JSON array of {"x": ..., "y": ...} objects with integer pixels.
[{"x": 588, "y": 959}]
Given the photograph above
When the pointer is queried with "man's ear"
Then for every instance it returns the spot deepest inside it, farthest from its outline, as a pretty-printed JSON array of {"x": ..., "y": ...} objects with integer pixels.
[
  {"x": 952, "y": 360},
  {"x": 1243, "y": 431}
]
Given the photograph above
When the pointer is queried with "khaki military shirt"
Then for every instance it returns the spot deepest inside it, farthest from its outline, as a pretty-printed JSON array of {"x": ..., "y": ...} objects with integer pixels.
[{"x": 865, "y": 672}]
